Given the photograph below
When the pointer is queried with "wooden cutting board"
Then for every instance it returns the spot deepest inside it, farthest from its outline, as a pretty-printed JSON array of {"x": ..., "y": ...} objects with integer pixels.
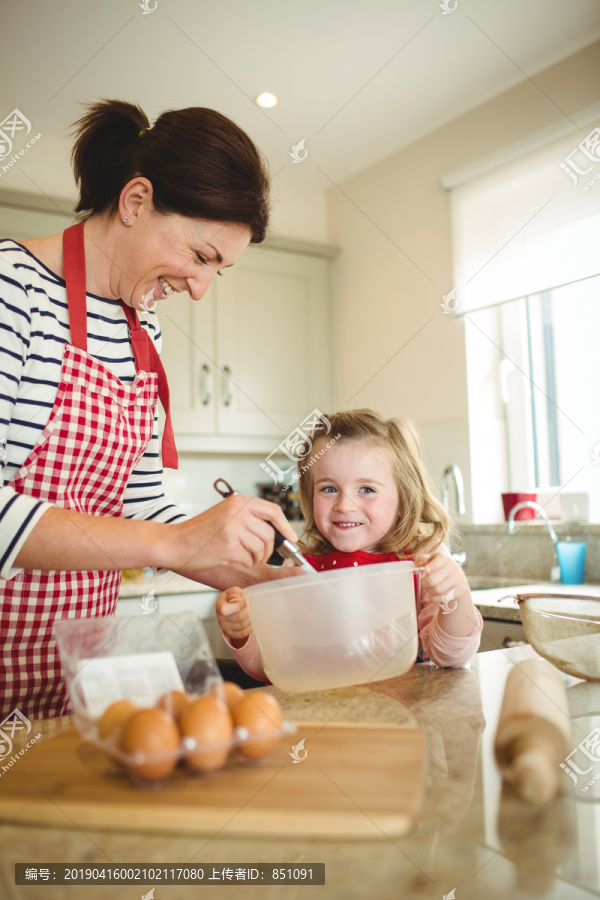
[{"x": 362, "y": 782}]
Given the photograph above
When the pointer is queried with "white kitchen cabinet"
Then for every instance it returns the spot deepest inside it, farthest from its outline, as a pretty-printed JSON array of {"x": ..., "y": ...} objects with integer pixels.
[
  {"x": 499, "y": 634},
  {"x": 253, "y": 358}
]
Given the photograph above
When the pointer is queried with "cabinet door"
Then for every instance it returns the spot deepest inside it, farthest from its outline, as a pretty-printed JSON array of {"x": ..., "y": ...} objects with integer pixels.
[
  {"x": 273, "y": 342},
  {"x": 188, "y": 357}
]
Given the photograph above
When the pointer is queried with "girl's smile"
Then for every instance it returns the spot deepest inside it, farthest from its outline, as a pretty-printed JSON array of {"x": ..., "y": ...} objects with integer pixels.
[{"x": 355, "y": 495}]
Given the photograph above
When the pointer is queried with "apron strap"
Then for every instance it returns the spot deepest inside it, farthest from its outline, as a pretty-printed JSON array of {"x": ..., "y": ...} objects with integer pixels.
[
  {"x": 145, "y": 353},
  {"x": 147, "y": 360},
  {"x": 74, "y": 265}
]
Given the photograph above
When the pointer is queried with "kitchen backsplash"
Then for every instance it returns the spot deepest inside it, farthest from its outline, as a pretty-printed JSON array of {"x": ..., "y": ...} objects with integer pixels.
[
  {"x": 527, "y": 554},
  {"x": 191, "y": 486}
]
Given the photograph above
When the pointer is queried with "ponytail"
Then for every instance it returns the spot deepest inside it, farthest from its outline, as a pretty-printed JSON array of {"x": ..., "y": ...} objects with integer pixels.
[
  {"x": 104, "y": 156},
  {"x": 200, "y": 164}
]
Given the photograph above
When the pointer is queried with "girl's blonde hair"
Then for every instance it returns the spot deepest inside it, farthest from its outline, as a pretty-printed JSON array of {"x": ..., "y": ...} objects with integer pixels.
[{"x": 422, "y": 521}]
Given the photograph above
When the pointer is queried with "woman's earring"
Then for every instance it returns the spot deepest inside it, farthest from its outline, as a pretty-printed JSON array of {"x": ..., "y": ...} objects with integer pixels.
[{"x": 126, "y": 219}]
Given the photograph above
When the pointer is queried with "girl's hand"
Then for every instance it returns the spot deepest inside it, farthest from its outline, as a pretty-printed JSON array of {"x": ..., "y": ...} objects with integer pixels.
[
  {"x": 232, "y": 615},
  {"x": 443, "y": 576}
]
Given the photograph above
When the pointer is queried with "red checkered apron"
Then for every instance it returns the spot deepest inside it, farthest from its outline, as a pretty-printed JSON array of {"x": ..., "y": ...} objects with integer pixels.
[{"x": 96, "y": 434}]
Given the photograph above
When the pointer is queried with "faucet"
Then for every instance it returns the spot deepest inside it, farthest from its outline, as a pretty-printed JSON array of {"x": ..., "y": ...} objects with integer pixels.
[
  {"x": 529, "y": 504},
  {"x": 453, "y": 472}
]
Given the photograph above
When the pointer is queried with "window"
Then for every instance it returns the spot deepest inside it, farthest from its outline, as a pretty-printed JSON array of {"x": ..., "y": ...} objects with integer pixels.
[
  {"x": 549, "y": 385},
  {"x": 527, "y": 282}
]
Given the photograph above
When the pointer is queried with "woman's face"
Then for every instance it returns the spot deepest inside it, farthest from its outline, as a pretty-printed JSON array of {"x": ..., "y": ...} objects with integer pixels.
[
  {"x": 355, "y": 496},
  {"x": 164, "y": 254}
]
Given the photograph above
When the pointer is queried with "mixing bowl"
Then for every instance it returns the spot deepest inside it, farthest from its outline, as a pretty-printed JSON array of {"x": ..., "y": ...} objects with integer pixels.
[
  {"x": 337, "y": 628},
  {"x": 565, "y": 629}
]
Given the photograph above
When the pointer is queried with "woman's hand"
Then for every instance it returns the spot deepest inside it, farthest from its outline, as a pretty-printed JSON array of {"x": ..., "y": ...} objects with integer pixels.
[
  {"x": 232, "y": 615},
  {"x": 236, "y": 532}
]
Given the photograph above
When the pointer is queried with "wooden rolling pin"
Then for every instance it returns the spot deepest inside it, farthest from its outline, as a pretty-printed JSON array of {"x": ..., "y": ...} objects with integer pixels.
[{"x": 534, "y": 731}]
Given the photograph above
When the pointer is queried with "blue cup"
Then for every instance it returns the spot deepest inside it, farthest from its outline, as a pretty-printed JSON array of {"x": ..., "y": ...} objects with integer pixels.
[{"x": 571, "y": 559}]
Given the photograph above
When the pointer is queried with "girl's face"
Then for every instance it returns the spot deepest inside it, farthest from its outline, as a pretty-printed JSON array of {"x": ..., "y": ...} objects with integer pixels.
[{"x": 355, "y": 497}]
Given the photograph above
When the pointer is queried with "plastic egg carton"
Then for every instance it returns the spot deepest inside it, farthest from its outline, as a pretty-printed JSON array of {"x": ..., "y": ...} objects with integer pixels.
[{"x": 141, "y": 658}]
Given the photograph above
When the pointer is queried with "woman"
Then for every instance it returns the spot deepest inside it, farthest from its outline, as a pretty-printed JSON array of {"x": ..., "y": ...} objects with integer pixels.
[{"x": 165, "y": 208}]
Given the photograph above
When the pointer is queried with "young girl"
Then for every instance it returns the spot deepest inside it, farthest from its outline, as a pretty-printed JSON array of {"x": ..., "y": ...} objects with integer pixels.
[{"x": 365, "y": 500}]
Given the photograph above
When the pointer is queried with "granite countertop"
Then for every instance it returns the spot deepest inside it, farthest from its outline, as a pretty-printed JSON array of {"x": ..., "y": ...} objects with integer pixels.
[
  {"x": 499, "y": 602},
  {"x": 472, "y": 835}
]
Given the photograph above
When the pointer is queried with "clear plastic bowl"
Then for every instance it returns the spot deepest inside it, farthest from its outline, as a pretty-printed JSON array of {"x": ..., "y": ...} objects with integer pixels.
[{"x": 337, "y": 628}]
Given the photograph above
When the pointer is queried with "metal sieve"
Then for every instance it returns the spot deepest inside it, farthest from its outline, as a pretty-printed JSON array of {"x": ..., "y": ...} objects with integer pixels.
[{"x": 565, "y": 630}]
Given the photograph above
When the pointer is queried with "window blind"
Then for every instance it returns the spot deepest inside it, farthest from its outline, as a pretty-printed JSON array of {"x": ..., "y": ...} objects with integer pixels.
[{"x": 530, "y": 225}]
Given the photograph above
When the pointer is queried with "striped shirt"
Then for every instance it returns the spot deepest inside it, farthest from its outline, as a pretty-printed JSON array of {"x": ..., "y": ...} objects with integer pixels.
[{"x": 34, "y": 328}]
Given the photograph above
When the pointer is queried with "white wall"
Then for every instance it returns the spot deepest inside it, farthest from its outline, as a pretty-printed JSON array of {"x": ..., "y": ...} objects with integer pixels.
[
  {"x": 191, "y": 486},
  {"x": 395, "y": 348},
  {"x": 299, "y": 212}
]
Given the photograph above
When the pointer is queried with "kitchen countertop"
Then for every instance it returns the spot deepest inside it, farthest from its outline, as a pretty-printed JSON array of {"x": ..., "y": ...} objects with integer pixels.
[
  {"x": 472, "y": 836},
  {"x": 493, "y": 602},
  {"x": 165, "y": 583},
  {"x": 498, "y": 602}
]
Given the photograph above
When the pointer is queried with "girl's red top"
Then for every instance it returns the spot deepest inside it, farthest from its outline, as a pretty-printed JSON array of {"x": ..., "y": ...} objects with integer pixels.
[{"x": 340, "y": 560}]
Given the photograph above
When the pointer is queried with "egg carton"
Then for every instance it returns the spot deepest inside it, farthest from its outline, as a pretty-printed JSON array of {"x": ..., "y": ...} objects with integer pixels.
[{"x": 141, "y": 658}]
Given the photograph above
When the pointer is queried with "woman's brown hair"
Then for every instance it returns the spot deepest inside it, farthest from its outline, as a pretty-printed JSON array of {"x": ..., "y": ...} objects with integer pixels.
[
  {"x": 422, "y": 521},
  {"x": 200, "y": 163}
]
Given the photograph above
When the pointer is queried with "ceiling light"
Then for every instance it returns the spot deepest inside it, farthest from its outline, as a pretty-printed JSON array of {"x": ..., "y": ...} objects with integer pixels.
[{"x": 266, "y": 100}]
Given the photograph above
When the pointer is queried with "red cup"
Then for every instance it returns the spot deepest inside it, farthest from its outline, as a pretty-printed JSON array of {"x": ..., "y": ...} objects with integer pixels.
[{"x": 510, "y": 500}]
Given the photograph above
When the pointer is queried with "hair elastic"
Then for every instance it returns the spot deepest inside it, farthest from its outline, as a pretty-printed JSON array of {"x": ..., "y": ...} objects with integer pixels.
[{"x": 144, "y": 130}]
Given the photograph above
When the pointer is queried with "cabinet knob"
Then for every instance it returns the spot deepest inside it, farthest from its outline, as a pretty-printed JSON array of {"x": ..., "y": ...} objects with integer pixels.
[
  {"x": 206, "y": 385},
  {"x": 227, "y": 392}
]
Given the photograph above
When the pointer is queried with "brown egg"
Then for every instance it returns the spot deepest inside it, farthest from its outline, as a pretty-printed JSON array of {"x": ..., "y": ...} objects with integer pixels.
[
  {"x": 175, "y": 703},
  {"x": 207, "y": 721},
  {"x": 259, "y": 713},
  {"x": 114, "y": 717},
  {"x": 151, "y": 732},
  {"x": 231, "y": 693}
]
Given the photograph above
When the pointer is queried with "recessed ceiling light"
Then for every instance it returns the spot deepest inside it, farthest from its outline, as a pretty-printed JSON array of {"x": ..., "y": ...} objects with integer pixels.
[{"x": 266, "y": 100}]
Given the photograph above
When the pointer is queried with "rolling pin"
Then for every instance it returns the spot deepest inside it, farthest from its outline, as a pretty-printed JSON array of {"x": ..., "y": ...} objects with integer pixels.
[{"x": 534, "y": 731}]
